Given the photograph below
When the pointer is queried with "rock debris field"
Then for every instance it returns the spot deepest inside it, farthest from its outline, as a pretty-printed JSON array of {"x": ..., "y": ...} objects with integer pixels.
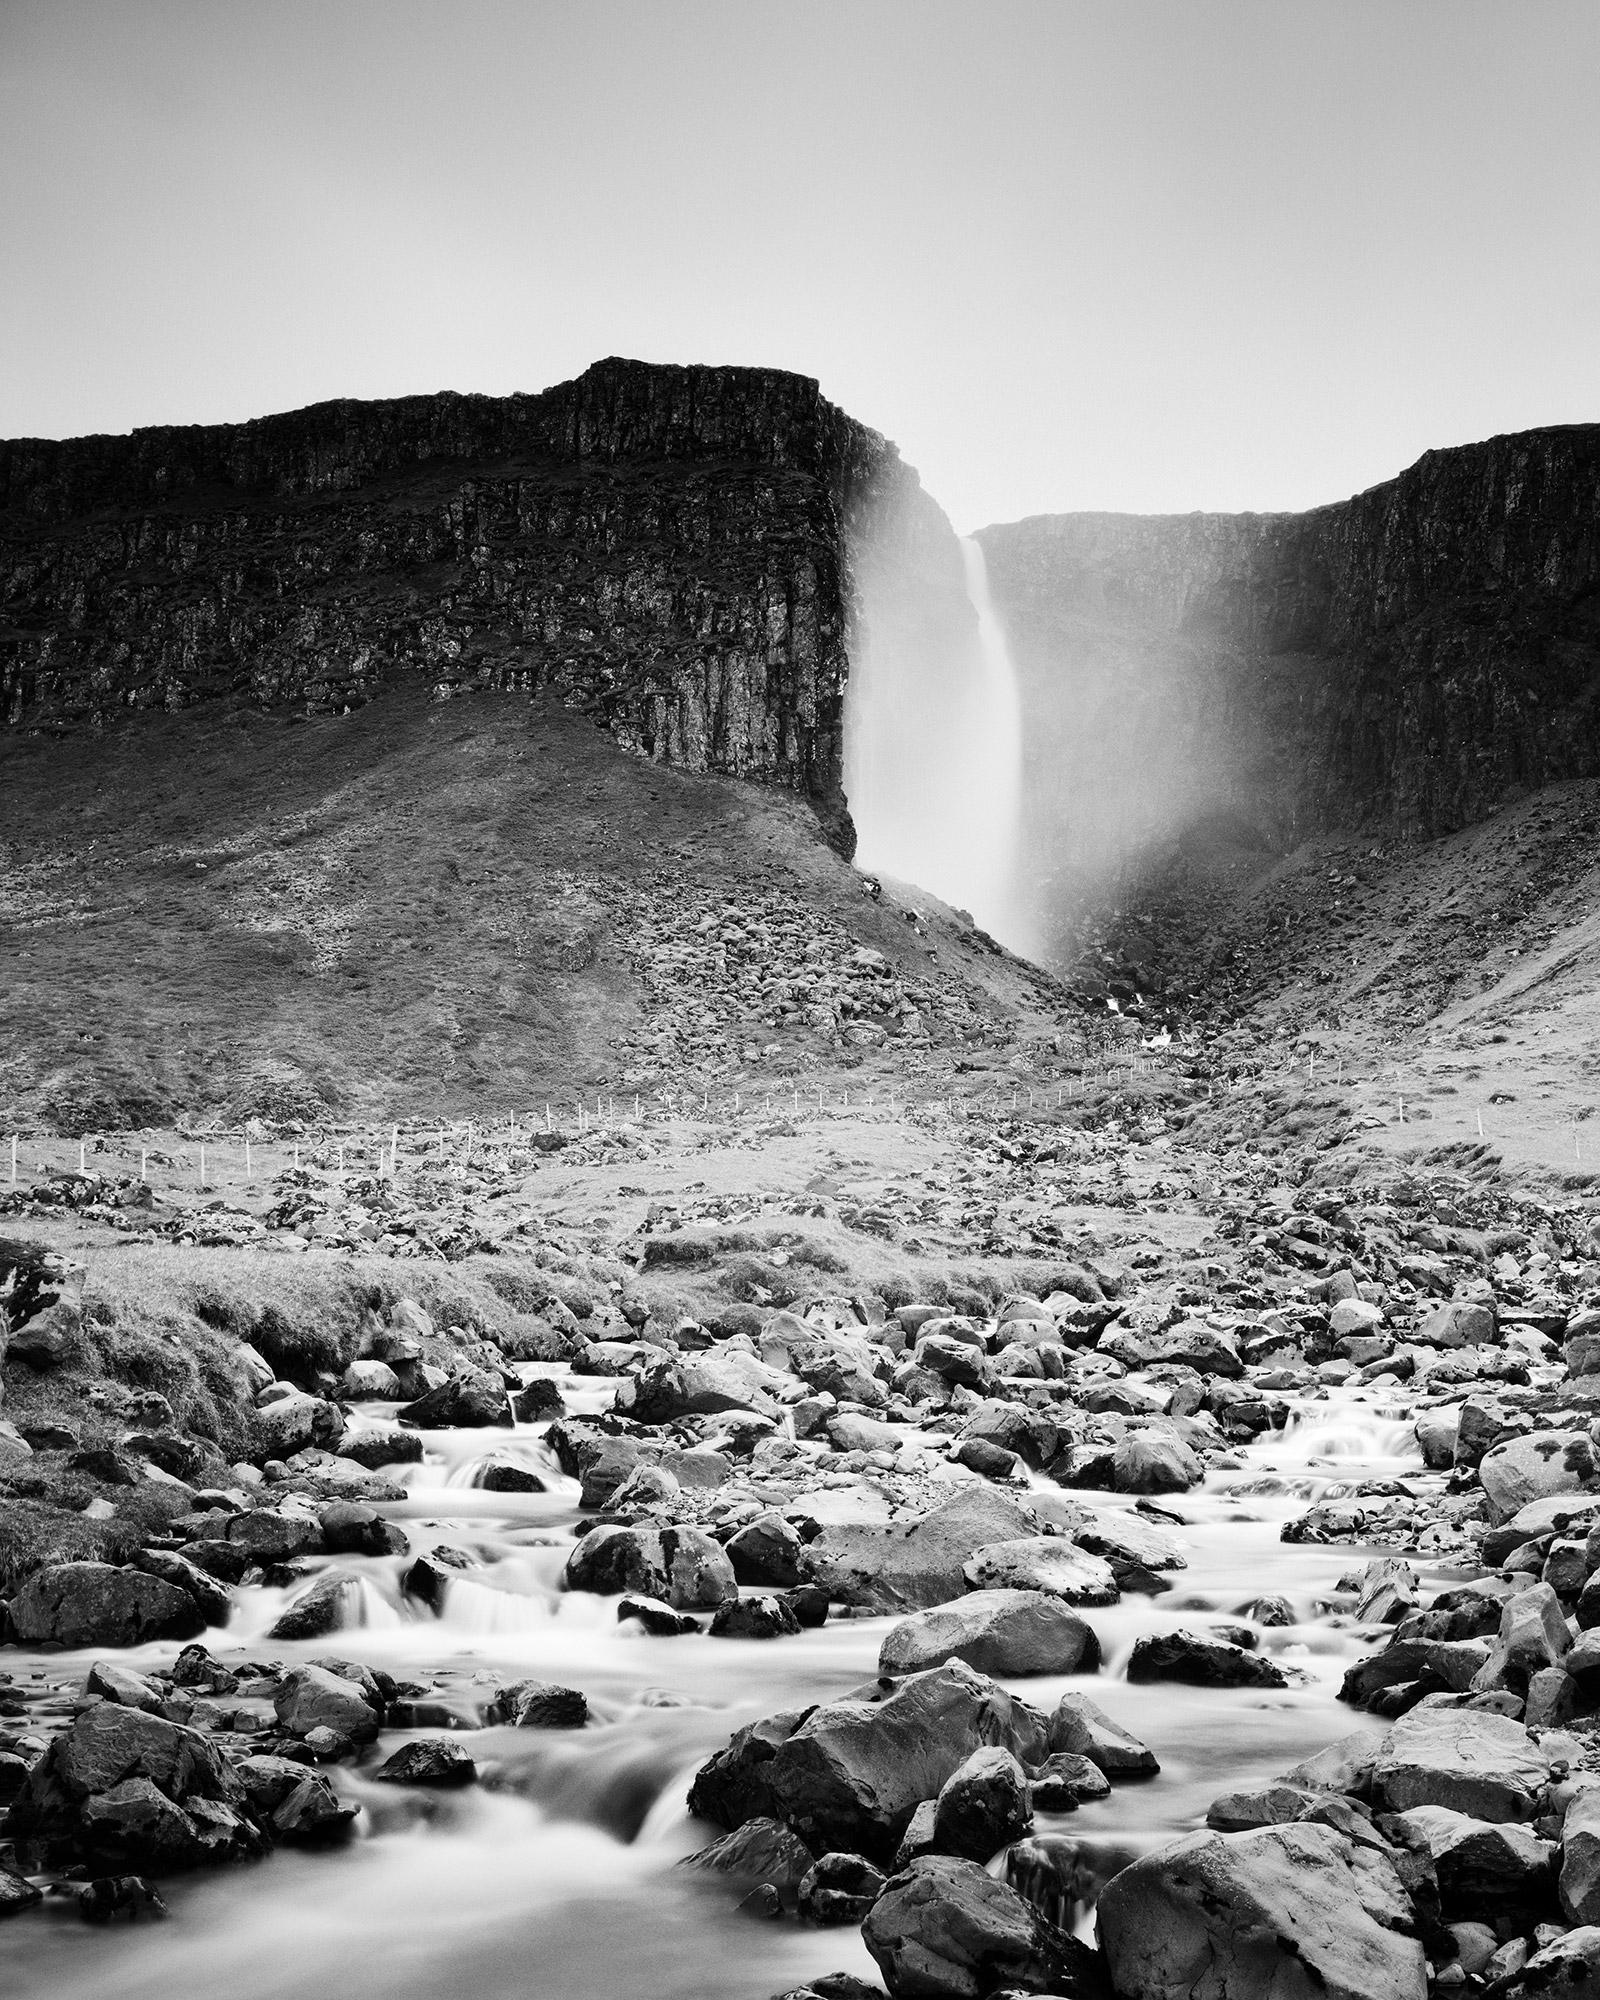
[{"x": 1078, "y": 1478}]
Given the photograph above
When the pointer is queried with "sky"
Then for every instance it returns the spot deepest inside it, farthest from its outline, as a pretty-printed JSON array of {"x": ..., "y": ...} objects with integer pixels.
[{"x": 1151, "y": 255}]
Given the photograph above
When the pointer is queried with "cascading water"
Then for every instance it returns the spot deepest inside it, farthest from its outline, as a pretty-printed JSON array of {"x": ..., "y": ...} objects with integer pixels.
[{"x": 933, "y": 764}]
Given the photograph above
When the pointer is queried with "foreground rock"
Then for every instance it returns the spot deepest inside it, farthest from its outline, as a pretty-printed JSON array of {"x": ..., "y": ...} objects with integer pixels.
[
  {"x": 848, "y": 1776},
  {"x": 96, "y": 1604},
  {"x": 945, "y": 1928},
  {"x": 1274, "y": 1914}
]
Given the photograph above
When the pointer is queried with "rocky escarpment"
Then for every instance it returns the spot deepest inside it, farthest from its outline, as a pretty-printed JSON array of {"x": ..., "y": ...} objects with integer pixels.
[
  {"x": 1406, "y": 657},
  {"x": 667, "y": 547}
]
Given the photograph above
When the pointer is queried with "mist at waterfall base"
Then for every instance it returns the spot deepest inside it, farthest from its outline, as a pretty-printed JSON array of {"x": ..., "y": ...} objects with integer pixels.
[{"x": 933, "y": 746}]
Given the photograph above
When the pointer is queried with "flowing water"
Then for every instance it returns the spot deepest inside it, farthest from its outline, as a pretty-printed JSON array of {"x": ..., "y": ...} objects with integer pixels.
[
  {"x": 934, "y": 762},
  {"x": 558, "y": 1878}
]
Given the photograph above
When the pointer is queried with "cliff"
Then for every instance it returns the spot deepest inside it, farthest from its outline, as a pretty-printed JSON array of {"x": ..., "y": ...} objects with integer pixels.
[
  {"x": 668, "y": 549},
  {"x": 1402, "y": 660}
]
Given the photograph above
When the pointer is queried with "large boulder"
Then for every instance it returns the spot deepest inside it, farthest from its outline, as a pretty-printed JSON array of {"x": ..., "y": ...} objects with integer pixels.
[
  {"x": 670, "y": 1387},
  {"x": 1078, "y": 1728},
  {"x": 909, "y": 1566},
  {"x": 1190, "y": 1344},
  {"x": 681, "y": 1566},
  {"x": 983, "y": 1806},
  {"x": 317, "y": 1698},
  {"x": 1006, "y": 1632},
  {"x": 1294, "y": 1912},
  {"x": 1043, "y": 1564},
  {"x": 848, "y": 1775},
  {"x": 1540, "y": 1467},
  {"x": 1200, "y": 1661},
  {"x": 469, "y": 1400},
  {"x": 294, "y": 1422},
  {"x": 946, "y": 1930},
  {"x": 1471, "y": 1760},
  {"x": 97, "y": 1604}
]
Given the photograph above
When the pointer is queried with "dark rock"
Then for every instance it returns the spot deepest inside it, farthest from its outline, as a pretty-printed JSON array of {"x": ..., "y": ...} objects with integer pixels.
[
  {"x": 766, "y": 1551},
  {"x": 1065, "y": 1781},
  {"x": 765, "y": 1617},
  {"x": 1200, "y": 1662},
  {"x": 944, "y": 1927},
  {"x": 315, "y": 1698},
  {"x": 680, "y": 1565},
  {"x": 982, "y": 1807},
  {"x": 328, "y": 1605},
  {"x": 538, "y": 1401},
  {"x": 351, "y": 1528},
  {"x": 761, "y": 1850},
  {"x": 111, "y": 1896},
  {"x": 95, "y": 1604},
  {"x": 17, "y": 1893},
  {"x": 428, "y": 1579},
  {"x": 538, "y": 1705},
  {"x": 658, "y": 1619},
  {"x": 1081, "y": 1729},
  {"x": 468, "y": 1401},
  {"x": 840, "y": 1889},
  {"x": 848, "y": 1775},
  {"x": 433, "y": 1760}
]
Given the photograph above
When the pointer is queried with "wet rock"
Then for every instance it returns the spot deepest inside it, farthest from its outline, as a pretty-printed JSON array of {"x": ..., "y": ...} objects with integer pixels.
[
  {"x": 508, "y": 1475},
  {"x": 849, "y": 1774},
  {"x": 989, "y": 1461},
  {"x": 374, "y": 1449},
  {"x": 764, "y": 1617},
  {"x": 214, "y": 1599},
  {"x": 680, "y": 1565},
  {"x": 433, "y": 1760},
  {"x": 1065, "y": 1781},
  {"x": 17, "y": 1893},
  {"x": 1001, "y": 1632},
  {"x": 840, "y": 1889},
  {"x": 1047, "y": 1565},
  {"x": 1484, "y": 1765},
  {"x": 538, "y": 1401},
  {"x": 982, "y": 1807},
  {"x": 540, "y": 1705},
  {"x": 350, "y": 1528},
  {"x": 658, "y": 1619},
  {"x": 299, "y": 1805},
  {"x": 329, "y": 1604},
  {"x": 1533, "y": 1635},
  {"x": 428, "y": 1579},
  {"x": 274, "y": 1534},
  {"x": 315, "y": 1698},
  {"x": 911, "y": 1566},
  {"x": 1545, "y": 1466},
  {"x": 945, "y": 1928},
  {"x": 1077, "y": 1726},
  {"x": 1281, "y": 1911},
  {"x": 109, "y": 1897},
  {"x": 120, "y": 1684},
  {"x": 97, "y": 1604},
  {"x": 370, "y": 1382},
  {"x": 761, "y": 1850},
  {"x": 766, "y": 1551},
  {"x": 470, "y": 1400},
  {"x": 1200, "y": 1662},
  {"x": 135, "y": 1823}
]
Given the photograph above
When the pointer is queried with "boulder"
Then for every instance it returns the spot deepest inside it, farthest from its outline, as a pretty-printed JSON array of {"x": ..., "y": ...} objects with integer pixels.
[
  {"x": 1541, "y": 1467},
  {"x": 848, "y": 1775},
  {"x": 983, "y": 1806},
  {"x": 540, "y": 1705},
  {"x": 1580, "y": 1857},
  {"x": 431, "y": 1760},
  {"x": 1065, "y": 1781},
  {"x": 944, "y": 1928},
  {"x": 349, "y": 1527},
  {"x": 1197, "y": 1661},
  {"x": 1148, "y": 1462},
  {"x": 316, "y": 1698},
  {"x": 297, "y": 1422},
  {"x": 97, "y": 1604},
  {"x": 330, "y": 1603},
  {"x": 1275, "y": 1914},
  {"x": 909, "y": 1566},
  {"x": 766, "y": 1551},
  {"x": 761, "y": 1617},
  {"x": 840, "y": 1889},
  {"x": 470, "y": 1400},
  {"x": 682, "y": 1566},
  {"x": 1475, "y": 1762},
  {"x": 1080, "y": 1728},
  {"x": 670, "y": 1387},
  {"x": 1568, "y": 1968},
  {"x": 1475, "y": 1862},
  {"x": 1003, "y": 1632},
  {"x": 1047, "y": 1565},
  {"x": 761, "y": 1850}
]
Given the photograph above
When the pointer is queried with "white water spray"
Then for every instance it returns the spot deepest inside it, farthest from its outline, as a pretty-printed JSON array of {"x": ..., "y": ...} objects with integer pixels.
[{"x": 934, "y": 753}]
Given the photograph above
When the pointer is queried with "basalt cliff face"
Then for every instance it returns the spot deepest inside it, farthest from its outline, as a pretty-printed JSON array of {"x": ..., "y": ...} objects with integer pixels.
[
  {"x": 1404, "y": 659},
  {"x": 668, "y": 548}
]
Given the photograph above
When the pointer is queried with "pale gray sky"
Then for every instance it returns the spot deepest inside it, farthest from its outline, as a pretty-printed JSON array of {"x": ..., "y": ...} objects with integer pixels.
[{"x": 1256, "y": 253}]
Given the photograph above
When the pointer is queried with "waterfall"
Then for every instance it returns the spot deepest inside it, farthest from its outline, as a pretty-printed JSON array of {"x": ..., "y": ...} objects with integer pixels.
[{"x": 934, "y": 749}]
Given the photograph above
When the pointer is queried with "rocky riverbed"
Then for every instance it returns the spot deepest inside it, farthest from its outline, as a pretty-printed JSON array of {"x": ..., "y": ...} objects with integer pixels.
[{"x": 1106, "y": 1573}]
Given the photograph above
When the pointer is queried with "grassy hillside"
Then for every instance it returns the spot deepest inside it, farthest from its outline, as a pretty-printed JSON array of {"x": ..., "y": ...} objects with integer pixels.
[{"x": 442, "y": 909}]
